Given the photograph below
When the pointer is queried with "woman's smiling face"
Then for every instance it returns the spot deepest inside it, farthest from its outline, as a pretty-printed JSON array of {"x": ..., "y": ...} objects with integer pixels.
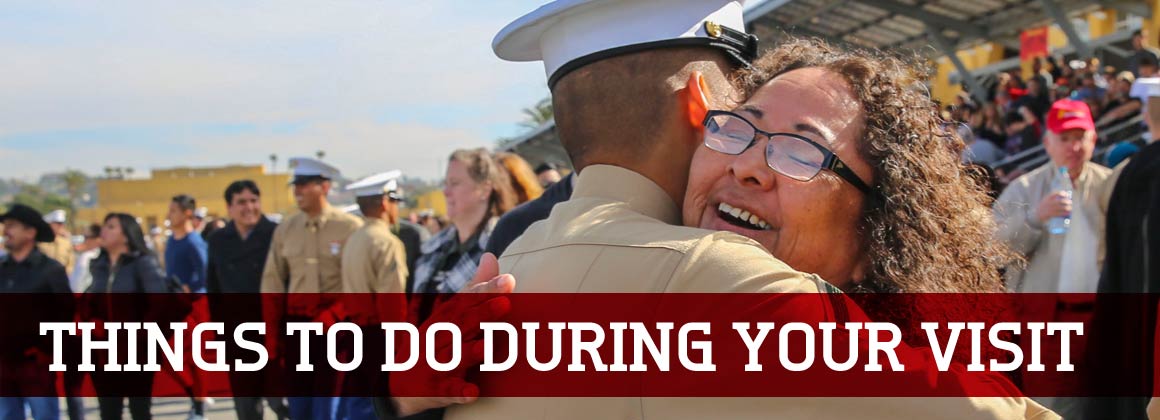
[{"x": 811, "y": 225}]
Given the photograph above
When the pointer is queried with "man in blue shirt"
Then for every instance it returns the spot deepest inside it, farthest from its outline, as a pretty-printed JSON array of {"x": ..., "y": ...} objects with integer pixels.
[
  {"x": 185, "y": 258},
  {"x": 185, "y": 251}
]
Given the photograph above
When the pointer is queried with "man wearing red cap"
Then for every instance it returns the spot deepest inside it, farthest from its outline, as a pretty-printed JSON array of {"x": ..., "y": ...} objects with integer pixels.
[
  {"x": 1067, "y": 262},
  {"x": 1031, "y": 201}
]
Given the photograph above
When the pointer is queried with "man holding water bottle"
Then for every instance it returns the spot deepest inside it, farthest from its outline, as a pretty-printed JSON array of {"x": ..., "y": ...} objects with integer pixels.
[{"x": 1055, "y": 214}]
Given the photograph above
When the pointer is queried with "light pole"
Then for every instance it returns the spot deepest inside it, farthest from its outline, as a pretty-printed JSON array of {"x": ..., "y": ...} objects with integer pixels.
[{"x": 274, "y": 173}]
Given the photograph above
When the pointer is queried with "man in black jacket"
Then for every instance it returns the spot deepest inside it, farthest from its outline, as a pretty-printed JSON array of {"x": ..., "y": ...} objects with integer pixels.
[
  {"x": 237, "y": 255},
  {"x": 25, "y": 354},
  {"x": 1126, "y": 304}
]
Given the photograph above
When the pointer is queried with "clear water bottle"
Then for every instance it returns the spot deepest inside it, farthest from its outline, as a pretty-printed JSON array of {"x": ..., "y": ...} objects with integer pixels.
[{"x": 1062, "y": 182}]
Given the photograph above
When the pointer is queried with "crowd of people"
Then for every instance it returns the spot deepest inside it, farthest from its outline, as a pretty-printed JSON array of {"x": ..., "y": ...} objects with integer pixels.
[
  {"x": 1012, "y": 117},
  {"x": 694, "y": 174},
  {"x": 196, "y": 256}
]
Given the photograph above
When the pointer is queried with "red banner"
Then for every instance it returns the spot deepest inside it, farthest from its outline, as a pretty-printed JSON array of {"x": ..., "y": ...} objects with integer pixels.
[
  {"x": 601, "y": 345},
  {"x": 1033, "y": 43}
]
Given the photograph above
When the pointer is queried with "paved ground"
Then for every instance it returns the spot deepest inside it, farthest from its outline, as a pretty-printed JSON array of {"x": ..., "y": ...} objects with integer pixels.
[{"x": 171, "y": 409}]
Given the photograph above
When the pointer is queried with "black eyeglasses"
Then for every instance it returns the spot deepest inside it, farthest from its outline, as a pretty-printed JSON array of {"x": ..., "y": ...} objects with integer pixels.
[{"x": 788, "y": 154}]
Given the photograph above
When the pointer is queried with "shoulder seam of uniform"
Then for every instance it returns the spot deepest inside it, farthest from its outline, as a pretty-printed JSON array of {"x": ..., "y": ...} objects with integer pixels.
[
  {"x": 670, "y": 248},
  {"x": 673, "y": 273},
  {"x": 589, "y": 270}
]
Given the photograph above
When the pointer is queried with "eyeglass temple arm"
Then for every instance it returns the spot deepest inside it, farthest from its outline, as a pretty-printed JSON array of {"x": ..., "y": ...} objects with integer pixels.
[{"x": 845, "y": 172}]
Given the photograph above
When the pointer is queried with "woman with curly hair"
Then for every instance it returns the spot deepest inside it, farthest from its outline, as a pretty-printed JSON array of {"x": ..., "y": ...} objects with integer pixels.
[{"x": 837, "y": 164}]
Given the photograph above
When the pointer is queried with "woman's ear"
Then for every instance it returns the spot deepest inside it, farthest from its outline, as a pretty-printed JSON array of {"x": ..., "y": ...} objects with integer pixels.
[{"x": 697, "y": 100}]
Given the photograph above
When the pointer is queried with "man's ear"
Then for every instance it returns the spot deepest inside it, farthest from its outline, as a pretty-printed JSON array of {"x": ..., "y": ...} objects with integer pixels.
[{"x": 697, "y": 99}]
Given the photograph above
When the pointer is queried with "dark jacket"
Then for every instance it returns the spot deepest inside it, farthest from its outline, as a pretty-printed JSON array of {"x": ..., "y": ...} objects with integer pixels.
[
  {"x": 37, "y": 274},
  {"x": 515, "y": 222},
  {"x": 234, "y": 276},
  {"x": 412, "y": 236},
  {"x": 1127, "y": 298},
  {"x": 137, "y": 273},
  {"x": 235, "y": 264}
]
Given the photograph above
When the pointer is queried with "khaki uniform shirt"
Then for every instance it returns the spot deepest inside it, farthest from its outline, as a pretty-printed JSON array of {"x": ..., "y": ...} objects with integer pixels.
[
  {"x": 306, "y": 254},
  {"x": 1022, "y": 230},
  {"x": 618, "y": 234},
  {"x": 374, "y": 260},
  {"x": 61, "y": 250}
]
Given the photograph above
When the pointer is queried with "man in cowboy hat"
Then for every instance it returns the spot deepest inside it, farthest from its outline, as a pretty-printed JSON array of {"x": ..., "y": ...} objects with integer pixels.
[{"x": 27, "y": 270}]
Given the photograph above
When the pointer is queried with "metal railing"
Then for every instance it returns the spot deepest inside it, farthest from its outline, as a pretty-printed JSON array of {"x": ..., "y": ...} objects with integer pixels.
[{"x": 1109, "y": 136}]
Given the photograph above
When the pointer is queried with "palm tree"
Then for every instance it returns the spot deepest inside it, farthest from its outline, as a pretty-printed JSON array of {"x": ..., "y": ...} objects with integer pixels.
[
  {"x": 274, "y": 170},
  {"x": 74, "y": 182},
  {"x": 320, "y": 154},
  {"x": 129, "y": 172},
  {"x": 539, "y": 114},
  {"x": 108, "y": 172}
]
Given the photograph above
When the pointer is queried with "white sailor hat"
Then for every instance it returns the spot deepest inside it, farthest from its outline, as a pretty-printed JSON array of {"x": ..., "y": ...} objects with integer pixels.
[
  {"x": 1145, "y": 88},
  {"x": 308, "y": 169},
  {"x": 201, "y": 212},
  {"x": 568, "y": 34},
  {"x": 56, "y": 216},
  {"x": 386, "y": 183}
]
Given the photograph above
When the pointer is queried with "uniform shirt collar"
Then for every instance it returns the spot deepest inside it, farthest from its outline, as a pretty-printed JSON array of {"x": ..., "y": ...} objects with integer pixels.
[
  {"x": 637, "y": 191},
  {"x": 375, "y": 221},
  {"x": 328, "y": 212}
]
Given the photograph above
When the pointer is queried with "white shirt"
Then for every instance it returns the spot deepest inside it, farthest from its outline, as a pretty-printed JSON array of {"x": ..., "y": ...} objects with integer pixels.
[{"x": 81, "y": 276}]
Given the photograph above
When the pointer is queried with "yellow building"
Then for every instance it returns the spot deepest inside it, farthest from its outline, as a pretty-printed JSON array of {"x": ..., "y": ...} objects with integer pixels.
[
  {"x": 432, "y": 200},
  {"x": 149, "y": 198}
]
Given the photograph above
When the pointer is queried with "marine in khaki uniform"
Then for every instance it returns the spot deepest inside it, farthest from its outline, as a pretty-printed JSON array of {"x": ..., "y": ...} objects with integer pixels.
[
  {"x": 629, "y": 101},
  {"x": 306, "y": 258},
  {"x": 306, "y": 252},
  {"x": 374, "y": 265},
  {"x": 61, "y": 248},
  {"x": 375, "y": 260}
]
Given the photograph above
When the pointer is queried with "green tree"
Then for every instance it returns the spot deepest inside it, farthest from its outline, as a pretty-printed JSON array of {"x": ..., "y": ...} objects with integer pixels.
[
  {"x": 43, "y": 201},
  {"x": 75, "y": 182},
  {"x": 502, "y": 142},
  {"x": 534, "y": 117},
  {"x": 539, "y": 114}
]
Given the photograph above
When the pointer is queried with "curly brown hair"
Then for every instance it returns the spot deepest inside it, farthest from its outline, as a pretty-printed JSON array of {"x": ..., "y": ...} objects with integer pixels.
[{"x": 928, "y": 226}]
